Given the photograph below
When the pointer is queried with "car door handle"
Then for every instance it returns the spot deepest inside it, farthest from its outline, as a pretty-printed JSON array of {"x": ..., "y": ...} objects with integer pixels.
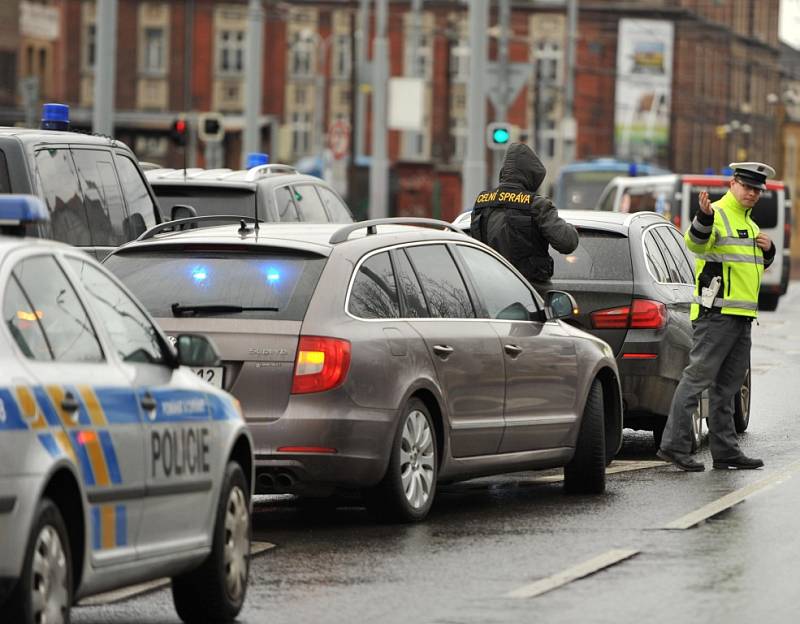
[
  {"x": 442, "y": 350},
  {"x": 69, "y": 403},
  {"x": 148, "y": 403},
  {"x": 512, "y": 350}
]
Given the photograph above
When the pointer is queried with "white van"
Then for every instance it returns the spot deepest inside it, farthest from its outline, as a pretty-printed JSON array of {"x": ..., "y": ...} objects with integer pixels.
[{"x": 676, "y": 196}]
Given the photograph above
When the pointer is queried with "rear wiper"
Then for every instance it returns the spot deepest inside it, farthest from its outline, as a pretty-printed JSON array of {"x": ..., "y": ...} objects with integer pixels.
[{"x": 214, "y": 308}]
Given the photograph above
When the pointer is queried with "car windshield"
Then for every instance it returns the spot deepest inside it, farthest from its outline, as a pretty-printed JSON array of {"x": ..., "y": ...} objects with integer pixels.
[
  {"x": 265, "y": 285},
  {"x": 582, "y": 189},
  {"x": 208, "y": 200},
  {"x": 600, "y": 255}
]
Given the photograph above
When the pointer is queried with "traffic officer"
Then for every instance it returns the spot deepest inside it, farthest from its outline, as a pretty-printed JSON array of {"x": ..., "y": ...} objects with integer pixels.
[
  {"x": 518, "y": 224},
  {"x": 731, "y": 255}
]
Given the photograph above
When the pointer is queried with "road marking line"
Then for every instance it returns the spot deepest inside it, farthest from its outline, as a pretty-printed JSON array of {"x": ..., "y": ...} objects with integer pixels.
[
  {"x": 614, "y": 468},
  {"x": 729, "y": 500},
  {"x": 601, "y": 562},
  {"x": 126, "y": 593}
]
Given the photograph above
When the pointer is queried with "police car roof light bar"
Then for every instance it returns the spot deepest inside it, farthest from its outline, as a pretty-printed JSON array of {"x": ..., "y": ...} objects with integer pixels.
[
  {"x": 22, "y": 209},
  {"x": 343, "y": 233}
]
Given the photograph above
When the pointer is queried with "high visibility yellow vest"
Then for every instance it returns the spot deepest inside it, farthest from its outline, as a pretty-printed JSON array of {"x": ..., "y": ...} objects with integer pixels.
[{"x": 732, "y": 242}]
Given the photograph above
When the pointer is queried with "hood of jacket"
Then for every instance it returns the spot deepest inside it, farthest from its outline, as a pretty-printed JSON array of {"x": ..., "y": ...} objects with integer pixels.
[{"x": 522, "y": 167}]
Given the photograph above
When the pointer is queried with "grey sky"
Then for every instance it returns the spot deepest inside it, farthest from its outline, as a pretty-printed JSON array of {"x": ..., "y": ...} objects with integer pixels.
[{"x": 790, "y": 22}]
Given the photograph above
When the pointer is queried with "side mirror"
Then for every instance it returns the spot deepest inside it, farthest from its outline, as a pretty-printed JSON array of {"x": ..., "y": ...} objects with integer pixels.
[
  {"x": 182, "y": 211},
  {"x": 560, "y": 305},
  {"x": 196, "y": 350}
]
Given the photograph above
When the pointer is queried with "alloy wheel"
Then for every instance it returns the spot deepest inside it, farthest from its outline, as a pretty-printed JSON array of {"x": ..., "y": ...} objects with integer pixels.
[
  {"x": 49, "y": 592},
  {"x": 417, "y": 459},
  {"x": 237, "y": 543}
]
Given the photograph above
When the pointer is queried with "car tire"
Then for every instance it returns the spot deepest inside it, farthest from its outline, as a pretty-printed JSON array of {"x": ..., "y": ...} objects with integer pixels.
[
  {"x": 44, "y": 590},
  {"x": 407, "y": 490},
  {"x": 658, "y": 431},
  {"x": 741, "y": 405},
  {"x": 586, "y": 471},
  {"x": 215, "y": 591}
]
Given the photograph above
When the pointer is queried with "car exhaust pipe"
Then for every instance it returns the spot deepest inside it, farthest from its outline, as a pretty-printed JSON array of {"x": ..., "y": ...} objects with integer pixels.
[
  {"x": 266, "y": 482},
  {"x": 284, "y": 480}
]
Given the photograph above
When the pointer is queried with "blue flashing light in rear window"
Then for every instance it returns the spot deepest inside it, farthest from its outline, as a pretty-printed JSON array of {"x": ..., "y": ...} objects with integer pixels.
[
  {"x": 199, "y": 274},
  {"x": 273, "y": 276}
]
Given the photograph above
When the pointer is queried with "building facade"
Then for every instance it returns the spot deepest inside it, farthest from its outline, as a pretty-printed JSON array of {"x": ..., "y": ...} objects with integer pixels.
[{"x": 708, "y": 70}]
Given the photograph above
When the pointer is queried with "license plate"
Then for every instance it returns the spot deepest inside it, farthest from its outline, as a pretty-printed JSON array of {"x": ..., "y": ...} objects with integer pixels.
[{"x": 211, "y": 374}]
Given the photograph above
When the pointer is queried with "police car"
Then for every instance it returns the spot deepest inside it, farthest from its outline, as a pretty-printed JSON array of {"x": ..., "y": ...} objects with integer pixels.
[{"x": 118, "y": 464}]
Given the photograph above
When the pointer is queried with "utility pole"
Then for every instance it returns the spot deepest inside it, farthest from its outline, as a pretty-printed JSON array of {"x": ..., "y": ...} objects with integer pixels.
[
  {"x": 473, "y": 177},
  {"x": 251, "y": 141},
  {"x": 188, "y": 101},
  {"x": 322, "y": 45},
  {"x": 362, "y": 36},
  {"x": 104, "y": 63},
  {"x": 568, "y": 125},
  {"x": 379, "y": 171},
  {"x": 501, "y": 113}
]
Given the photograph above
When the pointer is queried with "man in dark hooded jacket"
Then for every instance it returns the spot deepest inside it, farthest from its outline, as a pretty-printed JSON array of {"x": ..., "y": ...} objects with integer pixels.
[{"x": 518, "y": 224}]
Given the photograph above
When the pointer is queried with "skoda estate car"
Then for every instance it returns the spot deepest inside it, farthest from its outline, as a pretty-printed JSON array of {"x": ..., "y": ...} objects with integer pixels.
[
  {"x": 633, "y": 279},
  {"x": 118, "y": 465},
  {"x": 383, "y": 357}
]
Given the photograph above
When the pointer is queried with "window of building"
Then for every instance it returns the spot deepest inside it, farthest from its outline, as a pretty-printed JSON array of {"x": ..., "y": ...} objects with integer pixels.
[
  {"x": 230, "y": 51},
  {"x": 89, "y": 46},
  {"x": 342, "y": 57},
  {"x": 302, "y": 49},
  {"x": 153, "y": 50},
  {"x": 459, "y": 62},
  {"x": 301, "y": 132}
]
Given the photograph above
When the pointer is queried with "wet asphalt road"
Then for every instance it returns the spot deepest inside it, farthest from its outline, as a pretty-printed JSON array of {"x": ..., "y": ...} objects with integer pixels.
[{"x": 488, "y": 537}]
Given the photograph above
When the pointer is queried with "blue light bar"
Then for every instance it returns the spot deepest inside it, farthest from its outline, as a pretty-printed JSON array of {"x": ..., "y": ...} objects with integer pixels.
[
  {"x": 55, "y": 117},
  {"x": 254, "y": 159},
  {"x": 22, "y": 209}
]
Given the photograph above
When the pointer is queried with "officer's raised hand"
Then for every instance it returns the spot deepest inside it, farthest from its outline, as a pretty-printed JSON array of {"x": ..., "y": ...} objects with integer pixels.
[{"x": 705, "y": 203}]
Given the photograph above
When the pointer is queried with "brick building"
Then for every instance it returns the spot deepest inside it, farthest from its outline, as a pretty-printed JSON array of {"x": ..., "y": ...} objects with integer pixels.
[{"x": 188, "y": 56}]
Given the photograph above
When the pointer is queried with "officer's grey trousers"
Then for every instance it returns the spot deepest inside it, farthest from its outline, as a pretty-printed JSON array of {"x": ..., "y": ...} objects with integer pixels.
[{"x": 718, "y": 361}]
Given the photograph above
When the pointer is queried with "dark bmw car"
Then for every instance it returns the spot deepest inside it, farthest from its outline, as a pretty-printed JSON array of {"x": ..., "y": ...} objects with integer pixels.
[{"x": 633, "y": 279}]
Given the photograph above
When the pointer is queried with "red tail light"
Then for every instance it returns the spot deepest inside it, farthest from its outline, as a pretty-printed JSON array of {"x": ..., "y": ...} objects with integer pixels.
[
  {"x": 677, "y": 221},
  {"x": 321, "y": 364},
  {"x": 787, "y": 235},
  {"x": 643, "y": 314}
]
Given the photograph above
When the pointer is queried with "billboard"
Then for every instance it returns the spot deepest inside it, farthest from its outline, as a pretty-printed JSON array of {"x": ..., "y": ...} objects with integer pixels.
[{"x": 644, "y": 89}]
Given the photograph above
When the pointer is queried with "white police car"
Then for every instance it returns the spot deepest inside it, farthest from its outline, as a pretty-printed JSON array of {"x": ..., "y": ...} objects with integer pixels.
[{"x": 118, "y": 464}]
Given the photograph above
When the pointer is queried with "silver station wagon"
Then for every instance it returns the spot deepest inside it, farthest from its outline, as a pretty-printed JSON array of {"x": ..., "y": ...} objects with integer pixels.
[{"x": 383, "y": 356}]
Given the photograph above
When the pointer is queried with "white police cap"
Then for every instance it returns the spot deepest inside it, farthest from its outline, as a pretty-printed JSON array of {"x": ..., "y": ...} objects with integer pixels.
[{"x": 753, "y": 174}]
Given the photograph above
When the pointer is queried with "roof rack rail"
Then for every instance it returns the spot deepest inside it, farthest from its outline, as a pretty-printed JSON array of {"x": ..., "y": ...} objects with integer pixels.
[
  {"x": 260, "y": 170},
  {"x": 343, "y": 233},
  {"x": 193, "y": 222}
]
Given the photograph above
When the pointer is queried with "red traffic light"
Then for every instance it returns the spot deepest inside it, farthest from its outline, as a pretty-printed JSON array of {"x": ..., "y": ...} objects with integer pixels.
[
  {"x": 180, "y": 126},
  {"x": 179, "y": 131}
]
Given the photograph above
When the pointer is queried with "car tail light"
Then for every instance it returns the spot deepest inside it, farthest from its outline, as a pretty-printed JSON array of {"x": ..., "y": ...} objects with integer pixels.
[
  {"x": 787, "y": 235},
  {"x": 677, "y": 221},
  {"x": 321, "y": 364},
  {"x": 642, "y": 314}
]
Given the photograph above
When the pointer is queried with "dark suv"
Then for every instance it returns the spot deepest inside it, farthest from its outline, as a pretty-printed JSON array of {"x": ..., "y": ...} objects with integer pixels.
[
  {"x": 92, "y": 186},
  {"x": 271, "y": 192}
]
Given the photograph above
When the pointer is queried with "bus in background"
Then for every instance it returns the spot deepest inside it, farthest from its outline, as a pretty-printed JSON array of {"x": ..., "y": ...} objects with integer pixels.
[
  {"x": 579, "y": 184},
  {"x": 677, "y": 197}
]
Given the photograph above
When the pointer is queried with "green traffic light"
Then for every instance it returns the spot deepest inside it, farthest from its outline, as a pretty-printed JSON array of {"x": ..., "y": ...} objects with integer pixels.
[{"x": 501, "y": 135}]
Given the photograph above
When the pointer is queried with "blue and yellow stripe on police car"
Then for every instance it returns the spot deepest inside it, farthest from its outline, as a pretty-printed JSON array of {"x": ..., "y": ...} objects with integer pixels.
[{"x": 109, "y": 526}]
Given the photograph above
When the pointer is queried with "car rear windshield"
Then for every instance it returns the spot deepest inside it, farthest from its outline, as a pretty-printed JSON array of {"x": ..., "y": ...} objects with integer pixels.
[
  {"x": 600, "y": 255},
  {"x": 267, "y": 285},
  {"x": 5, "y": 181},
  {"x": 765, "y": 212},
  {"x": 208, "y": 200}
]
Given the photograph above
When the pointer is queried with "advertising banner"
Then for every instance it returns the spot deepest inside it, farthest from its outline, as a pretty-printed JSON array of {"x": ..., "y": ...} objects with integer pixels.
[{"x": 644, "y": 89}]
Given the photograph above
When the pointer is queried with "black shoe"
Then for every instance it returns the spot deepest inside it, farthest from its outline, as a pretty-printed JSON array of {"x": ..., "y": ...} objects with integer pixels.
[
  {"x": 684, "y": 462},
  {"x": 743, "y": 462}
]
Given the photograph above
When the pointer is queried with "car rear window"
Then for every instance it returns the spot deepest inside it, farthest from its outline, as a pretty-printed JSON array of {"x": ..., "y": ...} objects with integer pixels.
[
  {"x": 765, "y": 212},
  {"x": 208, "y": 200},
  {"x": 278, "y": 284},
  {"x": 600, "y": 255},
  {"x": 5, "y": 181}
]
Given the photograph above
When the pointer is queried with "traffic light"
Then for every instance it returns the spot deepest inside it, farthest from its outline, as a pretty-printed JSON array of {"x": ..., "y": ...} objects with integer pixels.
[
  {"x": 179, "y": 131},
  {"x": 500, "y": 134},
  {"x": 210, "y": 127}
]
